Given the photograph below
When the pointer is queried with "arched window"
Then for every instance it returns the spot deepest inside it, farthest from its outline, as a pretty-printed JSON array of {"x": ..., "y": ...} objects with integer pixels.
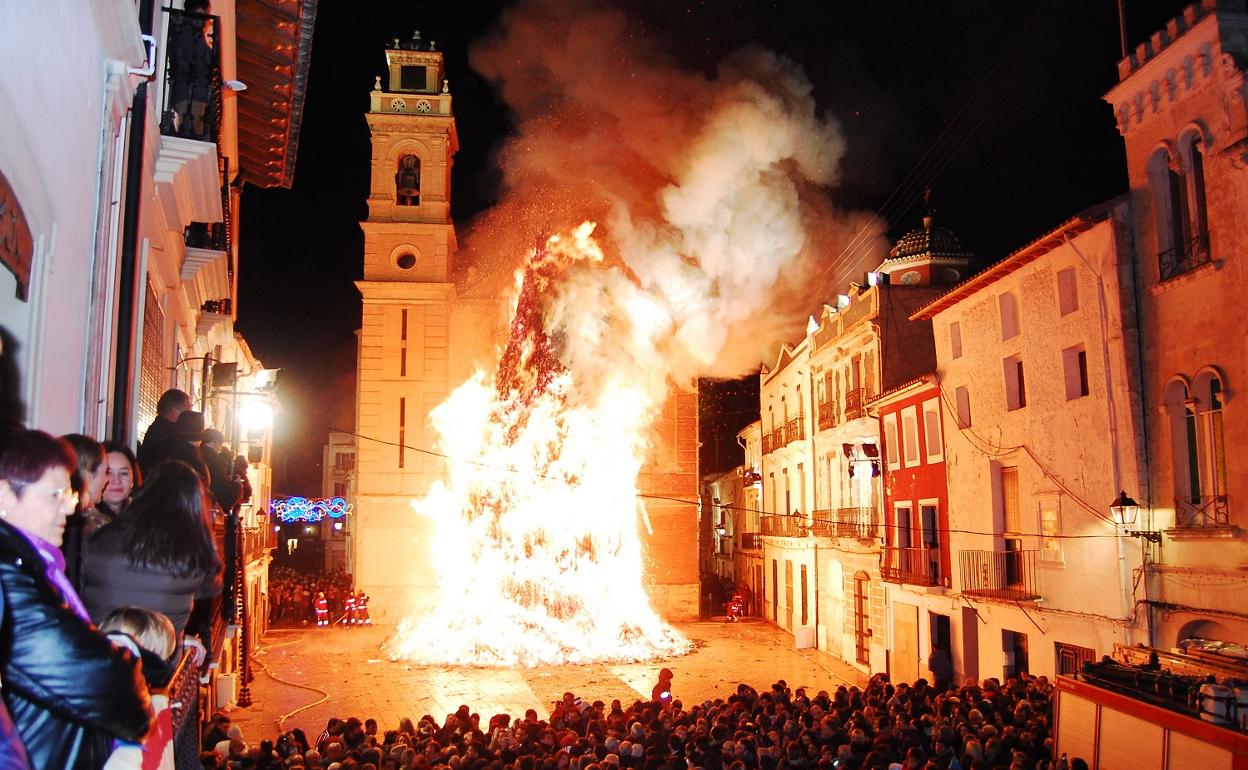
[
  {"x": 1169, "y": 206},
  {"x": 1192, "y": 146},
  {"x": 1198, "y": 450},
  {"x": 407, "y": 181}
]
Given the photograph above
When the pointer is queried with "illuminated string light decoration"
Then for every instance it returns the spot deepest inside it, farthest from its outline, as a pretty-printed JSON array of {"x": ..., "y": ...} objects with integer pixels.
[{"x": 294, "y": 509}]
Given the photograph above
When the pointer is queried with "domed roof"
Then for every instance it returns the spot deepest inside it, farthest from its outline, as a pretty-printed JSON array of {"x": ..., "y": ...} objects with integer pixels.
[{"x": 929, "y": 241}]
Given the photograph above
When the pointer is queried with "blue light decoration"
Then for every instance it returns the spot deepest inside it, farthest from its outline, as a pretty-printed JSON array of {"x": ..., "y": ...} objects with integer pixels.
[{"x": 294, "y": 509}]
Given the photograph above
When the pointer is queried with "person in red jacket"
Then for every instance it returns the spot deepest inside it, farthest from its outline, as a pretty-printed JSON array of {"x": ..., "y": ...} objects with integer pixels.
[
  {"x": 348, "y": 616},
  {"x": 322, "y": 609},
  {"x": 361, "y": 609}
]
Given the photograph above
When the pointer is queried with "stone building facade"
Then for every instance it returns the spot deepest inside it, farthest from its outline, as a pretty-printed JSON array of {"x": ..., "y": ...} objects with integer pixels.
[
  {"x": 1041, "y": 427},
  {"x": 1180, "y": 106}
]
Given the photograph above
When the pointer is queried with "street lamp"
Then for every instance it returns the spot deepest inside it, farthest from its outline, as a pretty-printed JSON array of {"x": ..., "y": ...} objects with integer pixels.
[{"x": 1125, "y": 510}]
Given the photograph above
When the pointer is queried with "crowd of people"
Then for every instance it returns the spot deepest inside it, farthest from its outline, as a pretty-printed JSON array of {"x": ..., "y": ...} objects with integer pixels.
[
  {"x": 108, "y": 570},
  {"x": 295, "y": 595},
  {"x": 880, "y": 727}
]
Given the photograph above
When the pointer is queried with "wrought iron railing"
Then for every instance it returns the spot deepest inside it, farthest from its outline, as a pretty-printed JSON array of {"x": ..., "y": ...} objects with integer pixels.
[
  {"x": 182, "y": 694},
  {"x": 257, "y": 541},
  {"x": 777, "y": 438},
  {"x": 751, "y": 541},
  {"x": 1000, "y": 574},
  {"x": 767, "y": 447},
  {"x": 1184, "y": 257},
  {"x": 794, "y": 430},
  {"x": 192, "y": 103},
  {"x": 1204, "y": 512},
  {"x": 783, "y": 526},
  {"x": 855, "y": 401},
  {"x": 827, "y": 415},
  {"x": 917, "y": 566},
  {"x": 855, "y": 523}
]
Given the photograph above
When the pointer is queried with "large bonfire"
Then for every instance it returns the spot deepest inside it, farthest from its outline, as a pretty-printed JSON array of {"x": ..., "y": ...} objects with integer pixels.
[
  {"x": 711, "y": 192},
  {"x": 538, "y": 554}
]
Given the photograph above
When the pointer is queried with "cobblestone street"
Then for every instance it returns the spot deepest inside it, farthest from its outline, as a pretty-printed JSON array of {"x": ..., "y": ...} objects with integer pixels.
[{"x": 342, "y": 672}]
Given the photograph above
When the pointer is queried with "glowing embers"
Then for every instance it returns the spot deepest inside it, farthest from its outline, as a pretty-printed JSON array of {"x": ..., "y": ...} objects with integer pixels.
[{"x": 537, "y": 550}]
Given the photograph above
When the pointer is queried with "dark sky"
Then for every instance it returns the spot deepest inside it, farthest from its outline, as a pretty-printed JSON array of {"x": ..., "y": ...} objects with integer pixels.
[{"x": 994, "y": 105}]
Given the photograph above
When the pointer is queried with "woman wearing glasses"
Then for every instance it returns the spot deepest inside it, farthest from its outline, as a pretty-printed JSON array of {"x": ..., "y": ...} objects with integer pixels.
[{"x": 69, "y": 690}]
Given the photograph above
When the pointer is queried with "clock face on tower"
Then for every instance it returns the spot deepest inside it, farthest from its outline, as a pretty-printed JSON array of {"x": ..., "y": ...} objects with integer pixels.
[
  {"x": 424, "y": 105},
  {"x": 398, "y": 104}
]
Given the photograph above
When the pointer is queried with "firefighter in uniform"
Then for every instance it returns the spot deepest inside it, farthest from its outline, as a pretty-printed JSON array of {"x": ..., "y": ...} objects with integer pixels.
[
  {"x": 361, "y": 609},
  {"x": 322, "y": 609},
  {"x": 348, "y": 616}
]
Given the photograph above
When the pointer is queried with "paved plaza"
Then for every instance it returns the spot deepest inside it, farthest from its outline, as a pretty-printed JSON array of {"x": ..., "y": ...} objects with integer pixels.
[{"x": 305, "y": 676}]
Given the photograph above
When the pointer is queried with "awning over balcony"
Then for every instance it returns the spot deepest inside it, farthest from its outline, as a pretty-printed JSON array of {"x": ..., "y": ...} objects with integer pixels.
[{"x": 274, "y": 40}]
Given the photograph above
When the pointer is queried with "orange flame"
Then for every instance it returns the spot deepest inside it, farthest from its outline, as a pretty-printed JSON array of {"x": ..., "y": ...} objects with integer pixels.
[{"x": 537, "y": 550}]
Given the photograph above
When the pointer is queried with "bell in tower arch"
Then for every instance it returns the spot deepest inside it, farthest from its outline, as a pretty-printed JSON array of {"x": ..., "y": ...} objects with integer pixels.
[{"x": 407, "y": 181}]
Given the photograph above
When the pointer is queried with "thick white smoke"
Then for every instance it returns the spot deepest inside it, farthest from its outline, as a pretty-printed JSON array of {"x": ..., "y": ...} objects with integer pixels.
[{"x": 708, "y": 190}]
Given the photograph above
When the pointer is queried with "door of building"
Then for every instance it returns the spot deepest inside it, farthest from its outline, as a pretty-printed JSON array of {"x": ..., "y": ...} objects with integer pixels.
[
  {"x": 905, "y": 657},
  {"x": 788, "y": 594},
  {"x": 775, "y": 591},
  {"x": 862, "y": 632},
  {"x": 970, "y": 643}
]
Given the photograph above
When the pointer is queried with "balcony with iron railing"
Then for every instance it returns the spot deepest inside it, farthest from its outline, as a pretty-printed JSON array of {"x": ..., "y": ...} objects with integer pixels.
[
  {"x": 827, "y": 415},
  {"x": 1205, "y": 512},
  {"x": 1009, "y": 575},
  {"x": 859, "y": 523},
  {"x": 767, "y": 447},
  {"x": 783, "y": 526},
  {"x": 777, "y": 438},
  {"x": 1184, "y": 257},
  {"x": 916, "y": 566},
  {"x": 855, "y": 403},
  {"x": 751, "y": 541},
  {"x": 192, "y": 97},
  {"x": 795, "y": 430},
  {"x": 257, "y": 542},
  {"x": 181, "y": 696}
]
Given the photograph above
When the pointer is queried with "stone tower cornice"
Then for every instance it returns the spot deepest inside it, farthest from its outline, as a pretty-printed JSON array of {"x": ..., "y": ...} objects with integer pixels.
[{"x": 1207, "y": 46}]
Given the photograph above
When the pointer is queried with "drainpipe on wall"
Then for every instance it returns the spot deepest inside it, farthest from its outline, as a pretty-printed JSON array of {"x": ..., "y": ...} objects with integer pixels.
[
  {"x": 814, "y": 475},
  {"x": 128, "y": 278},
  {"x": 1124, "y": 570}
]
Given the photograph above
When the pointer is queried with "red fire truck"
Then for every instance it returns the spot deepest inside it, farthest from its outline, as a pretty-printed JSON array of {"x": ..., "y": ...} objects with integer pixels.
[{"x": 1158, "y": 713}]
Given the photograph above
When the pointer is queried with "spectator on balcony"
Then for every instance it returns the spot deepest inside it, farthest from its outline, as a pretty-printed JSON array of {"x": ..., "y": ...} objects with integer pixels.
[
  {"x": 89, "y": 477},
  {"x": 123, "y": 477},
  {"x": 150, "y": 636},
  {"x": 70, "y": 691},
  {"x": 184, "y": 445},
  {"x": 169, "y": 408},
  {"x": 159, "y": 554},
  {"x": 220, "y": 462},
  {"x": 191, "y": 70}
]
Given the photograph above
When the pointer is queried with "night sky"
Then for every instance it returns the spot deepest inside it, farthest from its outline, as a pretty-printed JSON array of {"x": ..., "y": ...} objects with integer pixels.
[{"x": 996, "y": 106}]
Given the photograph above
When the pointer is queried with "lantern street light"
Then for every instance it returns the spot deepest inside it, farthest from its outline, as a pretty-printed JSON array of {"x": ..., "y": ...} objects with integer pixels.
[{"x": 1125, "y": 510}]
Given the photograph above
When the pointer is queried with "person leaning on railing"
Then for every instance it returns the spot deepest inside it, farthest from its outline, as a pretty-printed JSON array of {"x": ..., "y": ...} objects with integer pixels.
[{"x": 70, "y": 691}]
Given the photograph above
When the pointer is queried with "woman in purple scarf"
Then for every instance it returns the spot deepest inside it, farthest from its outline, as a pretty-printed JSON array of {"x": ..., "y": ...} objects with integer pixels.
[{"x": 69, "y": 692}]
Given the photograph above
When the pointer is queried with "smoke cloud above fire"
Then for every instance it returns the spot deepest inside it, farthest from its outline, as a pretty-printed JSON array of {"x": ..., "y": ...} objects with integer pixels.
[{"x": 709, "y": 191}]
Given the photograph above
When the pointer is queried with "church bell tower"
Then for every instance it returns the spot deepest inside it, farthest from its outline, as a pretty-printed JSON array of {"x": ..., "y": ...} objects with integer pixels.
[{"x": 408, "y": 298}]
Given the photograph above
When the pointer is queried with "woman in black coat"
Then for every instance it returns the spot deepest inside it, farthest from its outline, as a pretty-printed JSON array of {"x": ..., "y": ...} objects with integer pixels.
[
  {"x": 69, "y": 690},
  {"x": 158, "y": 554}
]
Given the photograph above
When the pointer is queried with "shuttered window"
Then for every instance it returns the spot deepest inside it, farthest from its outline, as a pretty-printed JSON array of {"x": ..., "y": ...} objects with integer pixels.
[{"x": 1012, "y": 518}]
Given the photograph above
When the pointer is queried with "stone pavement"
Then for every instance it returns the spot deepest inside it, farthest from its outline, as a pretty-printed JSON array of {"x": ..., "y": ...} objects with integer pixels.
[{"x": 323, "y": 672}]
